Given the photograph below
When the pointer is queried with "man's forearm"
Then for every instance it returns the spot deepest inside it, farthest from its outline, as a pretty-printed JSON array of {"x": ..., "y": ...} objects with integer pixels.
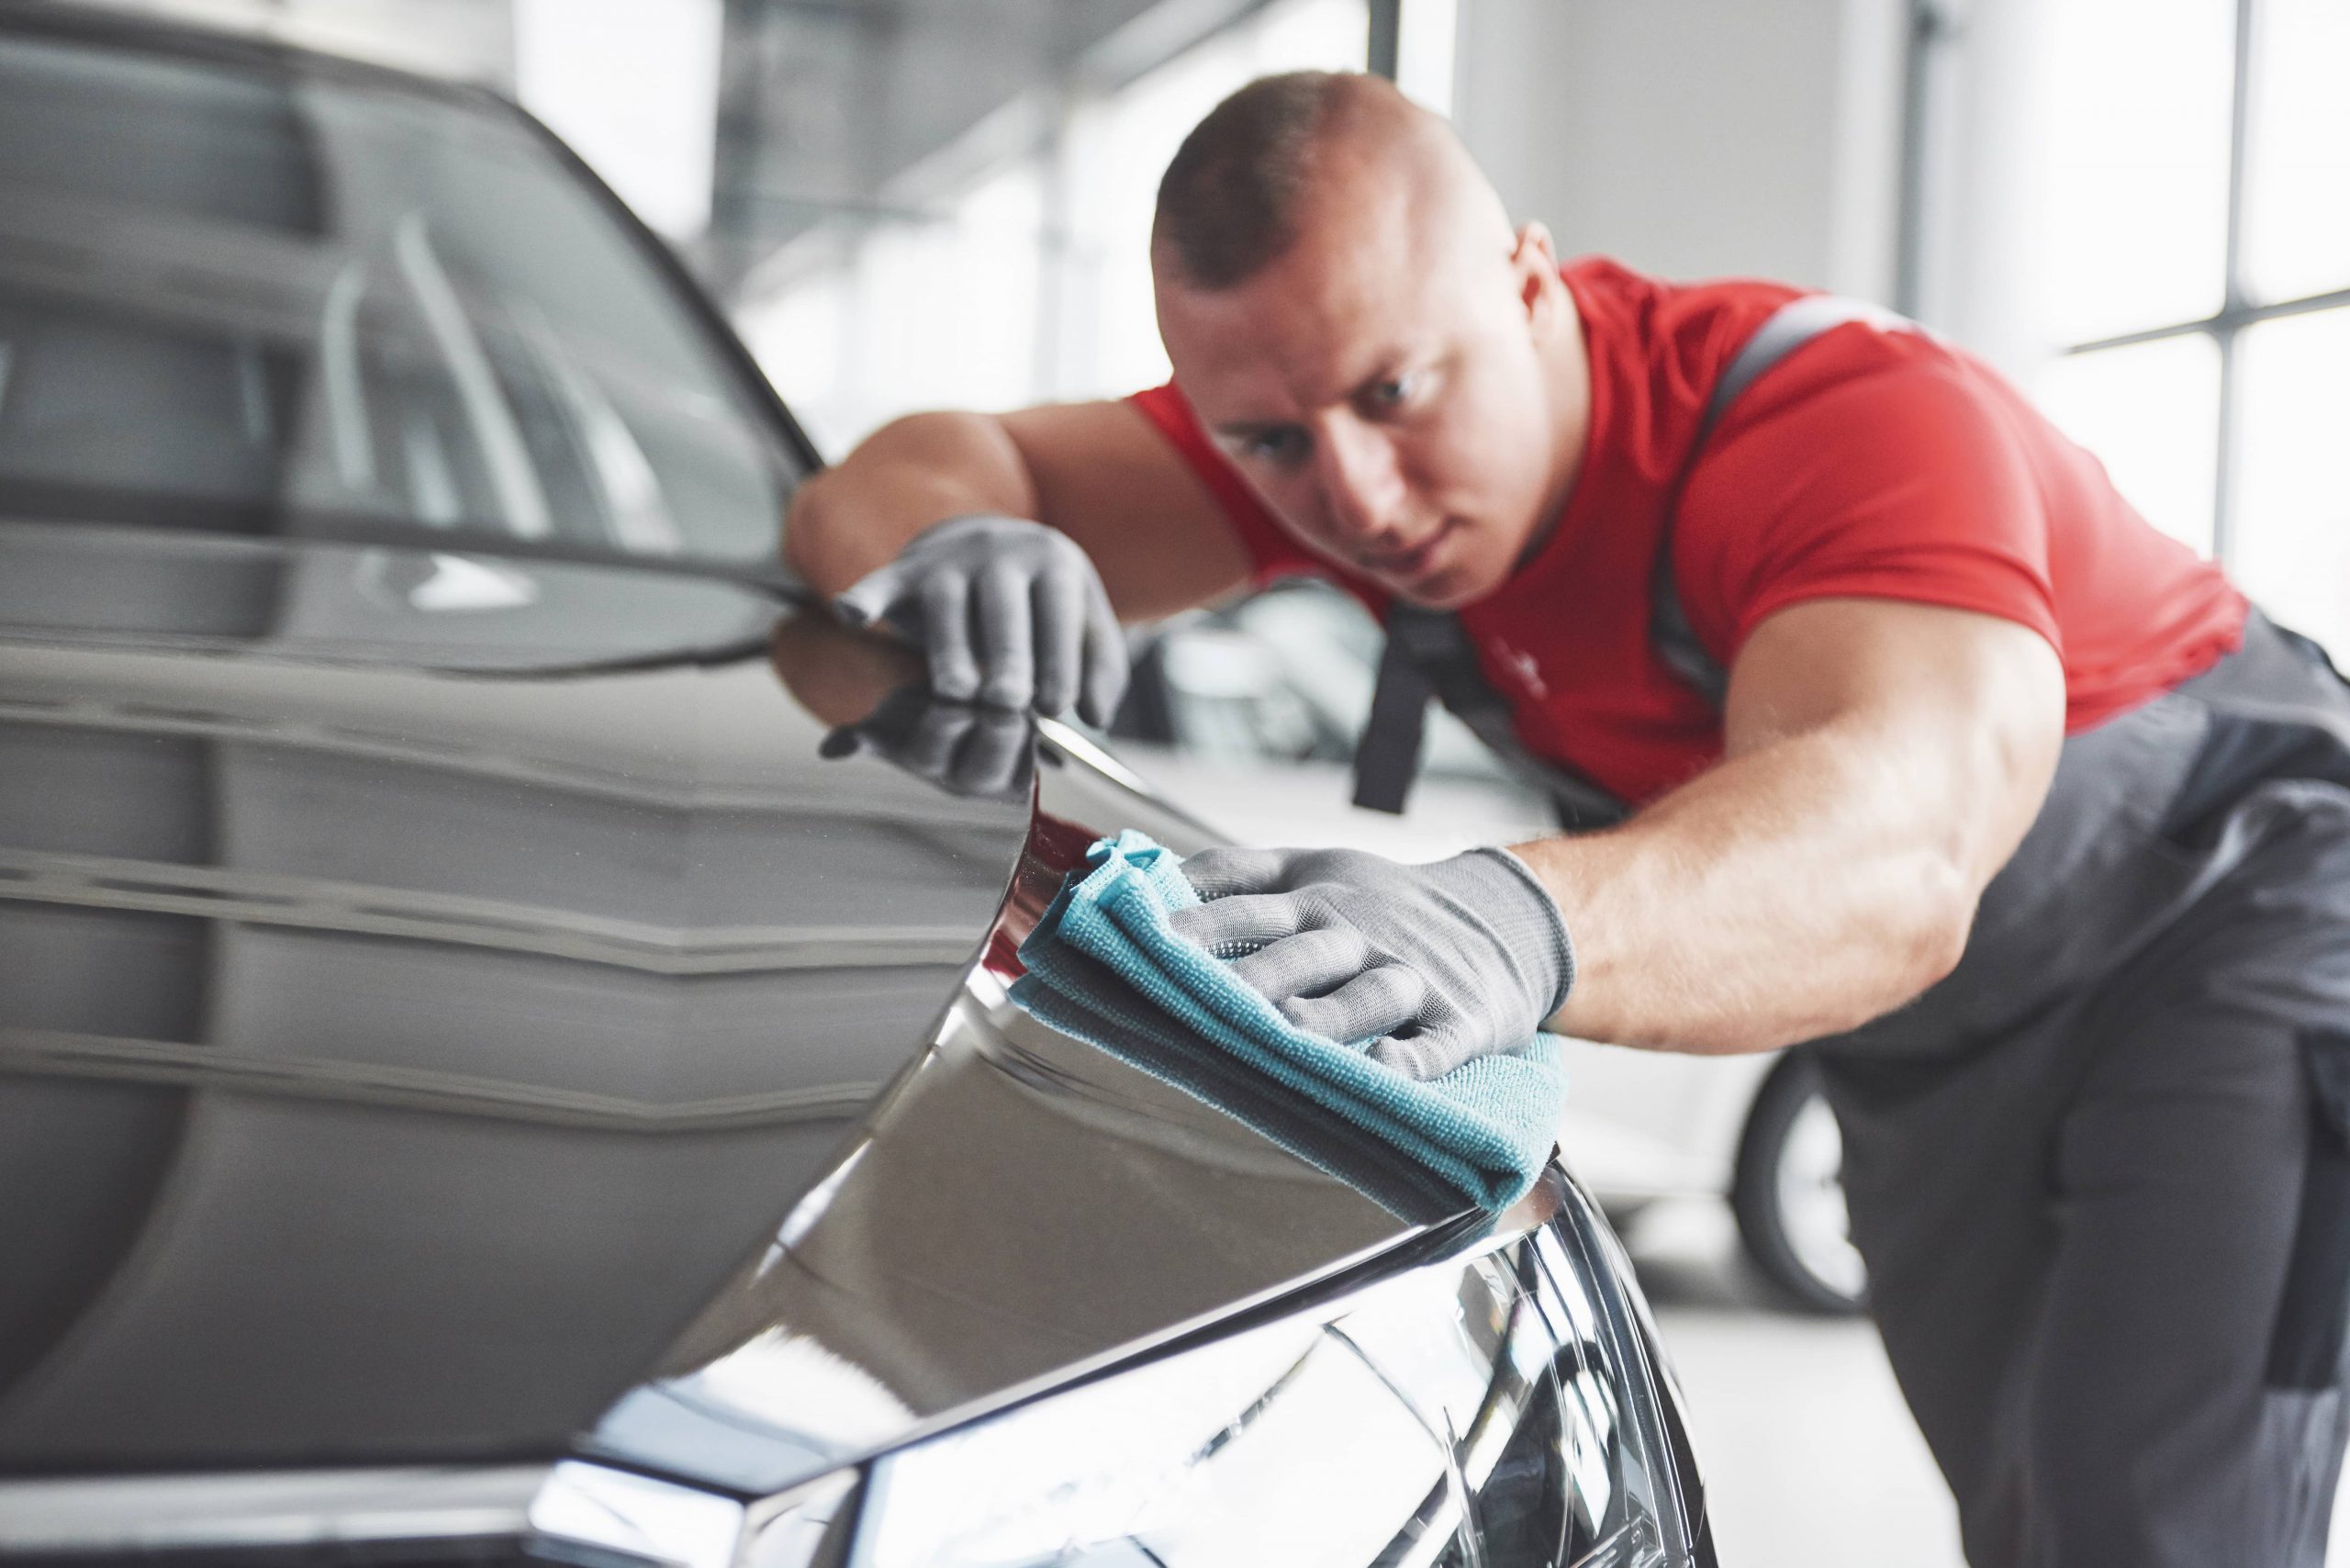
[
  {"x": 911, "y": 473},
  {"x": 1794, "y": 891}
]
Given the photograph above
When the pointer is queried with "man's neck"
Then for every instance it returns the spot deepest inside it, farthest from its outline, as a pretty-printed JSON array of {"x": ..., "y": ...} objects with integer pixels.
[{"x": 1567, "y": 363}]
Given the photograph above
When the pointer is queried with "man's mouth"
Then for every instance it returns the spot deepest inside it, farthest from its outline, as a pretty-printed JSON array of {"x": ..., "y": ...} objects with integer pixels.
[{"x": 1414, "y": 562}]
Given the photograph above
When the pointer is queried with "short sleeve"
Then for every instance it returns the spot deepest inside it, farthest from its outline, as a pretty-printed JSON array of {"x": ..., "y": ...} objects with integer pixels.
[
  {"x": 1870, "y": 465},
  {"x": 1272, "y": 553}
]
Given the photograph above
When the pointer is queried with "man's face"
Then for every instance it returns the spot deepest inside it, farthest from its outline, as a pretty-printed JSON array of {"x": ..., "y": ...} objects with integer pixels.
[{"x": 1384, "y": 392}]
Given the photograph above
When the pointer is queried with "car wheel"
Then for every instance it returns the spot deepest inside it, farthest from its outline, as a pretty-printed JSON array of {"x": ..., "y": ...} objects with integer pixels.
[{"x": 1789, "y": 1193}]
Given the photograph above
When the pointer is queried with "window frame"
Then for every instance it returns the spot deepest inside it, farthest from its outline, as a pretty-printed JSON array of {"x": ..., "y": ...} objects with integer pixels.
[{"x": 2241, "y": 307}]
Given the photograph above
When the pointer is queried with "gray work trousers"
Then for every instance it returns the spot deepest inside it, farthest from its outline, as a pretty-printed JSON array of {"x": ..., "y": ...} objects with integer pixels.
[{"x": 2102, "y": 1177}]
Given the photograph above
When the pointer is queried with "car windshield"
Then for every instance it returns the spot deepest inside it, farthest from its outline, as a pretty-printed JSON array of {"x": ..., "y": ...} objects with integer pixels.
[{"x": 284, "y": 300}]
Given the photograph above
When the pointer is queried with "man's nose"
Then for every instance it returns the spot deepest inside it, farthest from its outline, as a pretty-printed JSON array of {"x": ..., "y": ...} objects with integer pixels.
[{"x": 1361, "y": 483}]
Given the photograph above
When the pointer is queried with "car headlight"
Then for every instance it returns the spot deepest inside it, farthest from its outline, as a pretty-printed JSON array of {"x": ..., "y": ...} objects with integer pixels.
[{"x": 1496, "y": 1408}]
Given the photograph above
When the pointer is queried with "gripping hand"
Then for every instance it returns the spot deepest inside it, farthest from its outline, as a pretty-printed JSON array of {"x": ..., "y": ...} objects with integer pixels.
[
  {"x": 1428, "y": 964},
  {"x": 1009, "y": 613}
]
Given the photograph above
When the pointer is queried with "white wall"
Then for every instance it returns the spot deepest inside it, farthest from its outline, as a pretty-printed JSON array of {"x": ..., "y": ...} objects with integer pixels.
[{"x": 1695, "y": 138}]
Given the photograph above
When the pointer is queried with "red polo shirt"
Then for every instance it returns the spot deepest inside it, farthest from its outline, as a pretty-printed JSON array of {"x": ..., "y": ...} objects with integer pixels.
[{"x": 1871, "y": 463}]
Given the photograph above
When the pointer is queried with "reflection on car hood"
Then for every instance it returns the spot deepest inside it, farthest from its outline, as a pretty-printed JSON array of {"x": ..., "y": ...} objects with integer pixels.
[{"x": 399, "y": 1065}]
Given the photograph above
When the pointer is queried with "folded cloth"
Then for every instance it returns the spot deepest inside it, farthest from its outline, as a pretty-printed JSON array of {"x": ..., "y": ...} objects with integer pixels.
[{"x": 1103, "y": 964}]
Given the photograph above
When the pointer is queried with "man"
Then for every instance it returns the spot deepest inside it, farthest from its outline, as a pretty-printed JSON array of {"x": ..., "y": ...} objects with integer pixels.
[{"x": 1940, "y": 757}]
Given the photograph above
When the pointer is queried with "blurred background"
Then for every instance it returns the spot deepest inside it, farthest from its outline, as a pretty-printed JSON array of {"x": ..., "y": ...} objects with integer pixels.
[{"x": 2139, "y": 208}]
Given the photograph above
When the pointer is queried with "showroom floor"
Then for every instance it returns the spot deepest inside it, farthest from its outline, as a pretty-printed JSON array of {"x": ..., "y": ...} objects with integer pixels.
[{"x": 1811, "y": 1459}]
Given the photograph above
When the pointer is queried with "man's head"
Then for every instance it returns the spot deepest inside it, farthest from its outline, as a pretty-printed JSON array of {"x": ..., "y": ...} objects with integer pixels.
[{"x": 1397, "y": 371}]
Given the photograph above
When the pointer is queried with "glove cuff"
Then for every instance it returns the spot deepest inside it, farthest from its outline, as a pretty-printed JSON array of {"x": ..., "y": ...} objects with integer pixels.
[{"x": 1509, "y": 898}]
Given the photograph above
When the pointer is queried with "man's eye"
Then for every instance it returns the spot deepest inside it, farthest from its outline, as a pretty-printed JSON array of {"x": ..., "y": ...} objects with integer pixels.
[
  {"x": 1394, "y": 391},
  {"x": 1279, "y": 446}
]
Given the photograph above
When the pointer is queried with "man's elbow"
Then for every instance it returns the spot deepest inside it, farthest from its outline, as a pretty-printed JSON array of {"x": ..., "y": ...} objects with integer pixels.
[
  {"x": 1919, "y": 941},
  {"x": 842, "y": 521},
  {"x": 1933, "y": 939}
]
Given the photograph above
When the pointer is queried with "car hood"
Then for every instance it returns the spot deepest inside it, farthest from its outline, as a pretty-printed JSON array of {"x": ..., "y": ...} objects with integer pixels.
[{"x": 449, "y": 1011}]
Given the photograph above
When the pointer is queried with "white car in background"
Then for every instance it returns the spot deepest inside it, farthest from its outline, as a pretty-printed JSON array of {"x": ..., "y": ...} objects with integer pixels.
[{"x": 1248, "y": 715}]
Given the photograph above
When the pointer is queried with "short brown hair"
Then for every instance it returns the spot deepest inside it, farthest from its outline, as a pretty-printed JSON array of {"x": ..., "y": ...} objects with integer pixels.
[{"x": 1229, "y": 203}]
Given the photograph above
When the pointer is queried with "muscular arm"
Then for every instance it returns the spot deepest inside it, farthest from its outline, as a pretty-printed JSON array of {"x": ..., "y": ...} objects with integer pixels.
[
  {"x": 1883, "y": 760},
  {"x": 1096, "y": 471}
]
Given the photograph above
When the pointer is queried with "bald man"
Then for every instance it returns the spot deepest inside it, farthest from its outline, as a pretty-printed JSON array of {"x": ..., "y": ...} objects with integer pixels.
[{"x": 1887, "y": 724}]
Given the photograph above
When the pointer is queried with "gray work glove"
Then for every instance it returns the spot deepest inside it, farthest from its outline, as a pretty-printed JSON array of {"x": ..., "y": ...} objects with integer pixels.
[
  {"x": 963, "y": 749},
  {"x": 1012, "y": 614},
  {"x": 1431, "y": 965}
]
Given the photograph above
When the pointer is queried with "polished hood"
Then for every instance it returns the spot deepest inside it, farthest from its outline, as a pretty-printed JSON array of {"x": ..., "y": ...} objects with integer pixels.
[{"x": 449, "y": 1010}]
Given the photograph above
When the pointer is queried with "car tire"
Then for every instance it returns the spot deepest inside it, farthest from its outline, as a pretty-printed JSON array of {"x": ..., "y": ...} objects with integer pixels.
[{"x": 1788, "y": 1193}]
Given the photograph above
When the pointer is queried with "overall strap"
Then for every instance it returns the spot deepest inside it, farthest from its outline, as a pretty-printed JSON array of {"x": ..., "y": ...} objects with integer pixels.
[
  {"x": 1429, "y": 652},
  {"x": 1785, "y": 330}
]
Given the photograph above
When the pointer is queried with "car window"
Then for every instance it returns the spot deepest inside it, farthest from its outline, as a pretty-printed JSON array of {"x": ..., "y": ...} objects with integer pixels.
[{"x": 245, "y": 298}]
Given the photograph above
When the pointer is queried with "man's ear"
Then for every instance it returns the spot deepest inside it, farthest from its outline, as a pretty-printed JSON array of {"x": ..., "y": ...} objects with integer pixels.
[{"x": 1536, "y": 262}]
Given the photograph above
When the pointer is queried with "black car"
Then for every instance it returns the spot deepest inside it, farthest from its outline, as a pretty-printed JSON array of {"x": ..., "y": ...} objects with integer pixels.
[{"x": 476, "y": 1084}]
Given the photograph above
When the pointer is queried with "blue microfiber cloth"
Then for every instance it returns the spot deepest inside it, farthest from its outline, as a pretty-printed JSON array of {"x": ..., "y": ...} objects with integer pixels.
[{"x": 1103, "y": 964}]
